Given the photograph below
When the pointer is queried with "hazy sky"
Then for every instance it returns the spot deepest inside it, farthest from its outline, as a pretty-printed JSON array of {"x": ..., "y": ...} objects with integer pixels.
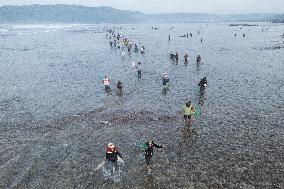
[{"x": 157, "y": 6}]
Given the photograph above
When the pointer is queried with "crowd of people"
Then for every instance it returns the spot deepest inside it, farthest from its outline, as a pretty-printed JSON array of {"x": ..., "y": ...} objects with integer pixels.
[{"x": 121, "y": 42}]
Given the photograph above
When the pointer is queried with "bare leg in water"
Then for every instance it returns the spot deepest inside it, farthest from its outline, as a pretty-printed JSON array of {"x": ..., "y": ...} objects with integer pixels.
[{"x": 147, "y": 166}]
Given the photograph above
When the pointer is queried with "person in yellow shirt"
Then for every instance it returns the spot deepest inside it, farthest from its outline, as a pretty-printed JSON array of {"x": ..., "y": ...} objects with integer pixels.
[{"x": 188, "y": 110}]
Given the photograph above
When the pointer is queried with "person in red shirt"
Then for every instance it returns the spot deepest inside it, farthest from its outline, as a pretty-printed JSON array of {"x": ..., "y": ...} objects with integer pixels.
[{"x": 112, "y": 155}]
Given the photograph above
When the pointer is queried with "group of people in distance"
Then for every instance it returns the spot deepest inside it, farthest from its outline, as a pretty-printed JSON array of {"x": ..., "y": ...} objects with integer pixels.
[
  {"x": 112, "y": 153},
  {"x": 175, "y": 57},
  {"x": 122, "y": 42}
]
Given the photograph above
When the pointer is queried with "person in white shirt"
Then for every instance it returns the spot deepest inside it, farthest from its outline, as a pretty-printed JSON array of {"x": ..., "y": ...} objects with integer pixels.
[{"x": 106, "y": 82}]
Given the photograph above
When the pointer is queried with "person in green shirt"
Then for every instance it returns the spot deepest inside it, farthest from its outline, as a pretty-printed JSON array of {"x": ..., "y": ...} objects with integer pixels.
[{"x": 188, "y": 110}]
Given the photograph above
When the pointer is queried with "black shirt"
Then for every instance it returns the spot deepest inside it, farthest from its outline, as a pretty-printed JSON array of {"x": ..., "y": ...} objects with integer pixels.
[
  {"x": 111, "y": 155},
  {"x": 165, "y": 81},
  {"x": 202, "y": 82},
  {"x": 149, "y": 150}
]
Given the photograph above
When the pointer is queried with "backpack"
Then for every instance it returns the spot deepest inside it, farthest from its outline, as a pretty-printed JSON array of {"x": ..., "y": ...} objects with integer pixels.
[{"x": 144, "y": 146}]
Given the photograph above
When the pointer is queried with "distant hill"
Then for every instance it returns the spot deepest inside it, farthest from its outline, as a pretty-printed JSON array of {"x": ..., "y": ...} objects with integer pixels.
[
  {"x": 278, "y": 18},
  {"x": 66, "y": 14},
  {"x": 252, "y": 17},
  {"x": 182, "y": 18},
  {"x": 82, "y": 14}
]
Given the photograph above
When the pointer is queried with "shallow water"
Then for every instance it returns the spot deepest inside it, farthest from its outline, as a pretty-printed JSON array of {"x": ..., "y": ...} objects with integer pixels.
[{"x": 53, "y": 106}]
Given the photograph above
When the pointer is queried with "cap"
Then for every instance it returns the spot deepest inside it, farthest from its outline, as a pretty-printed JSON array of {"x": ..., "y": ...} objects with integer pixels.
[{"x": 110, "y": 145}]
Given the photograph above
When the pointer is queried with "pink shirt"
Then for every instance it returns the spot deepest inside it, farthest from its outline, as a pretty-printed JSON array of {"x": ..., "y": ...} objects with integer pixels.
[{"x": 106, "y": 81}]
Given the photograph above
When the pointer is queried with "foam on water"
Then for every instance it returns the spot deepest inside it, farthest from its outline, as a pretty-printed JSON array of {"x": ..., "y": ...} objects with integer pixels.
[{"x": 40, "y": 26}]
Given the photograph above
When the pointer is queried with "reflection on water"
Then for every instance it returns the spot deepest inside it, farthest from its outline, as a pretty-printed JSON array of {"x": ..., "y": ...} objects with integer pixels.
[
  {"x": 112, "y": 171},
  {"x": 165, "y": 90},
  {"x": 198, "y": 67},
  {"x": 201, "y": 97},
  {"x": 189, "y": 133}
]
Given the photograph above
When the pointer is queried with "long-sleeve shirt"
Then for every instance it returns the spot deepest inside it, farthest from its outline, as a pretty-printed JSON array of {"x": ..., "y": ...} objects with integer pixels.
[
  {"x": 165, "y": 81},
  {"x": 202, "y": 82},
  {"x": 111, "y": 154},
  {"x": 148, "y": 151}
]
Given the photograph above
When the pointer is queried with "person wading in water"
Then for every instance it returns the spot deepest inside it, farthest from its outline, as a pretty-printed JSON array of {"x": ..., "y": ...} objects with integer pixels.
[
  {"x": 188, "y": 111},
  {"x": 148, "y": 152}
]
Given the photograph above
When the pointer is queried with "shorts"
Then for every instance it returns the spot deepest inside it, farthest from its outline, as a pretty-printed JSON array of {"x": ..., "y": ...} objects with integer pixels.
[
  {"x": 148, "y": 159},
  {"x": 187, "y": 116},
  {"x": 107, "y": 88}
]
